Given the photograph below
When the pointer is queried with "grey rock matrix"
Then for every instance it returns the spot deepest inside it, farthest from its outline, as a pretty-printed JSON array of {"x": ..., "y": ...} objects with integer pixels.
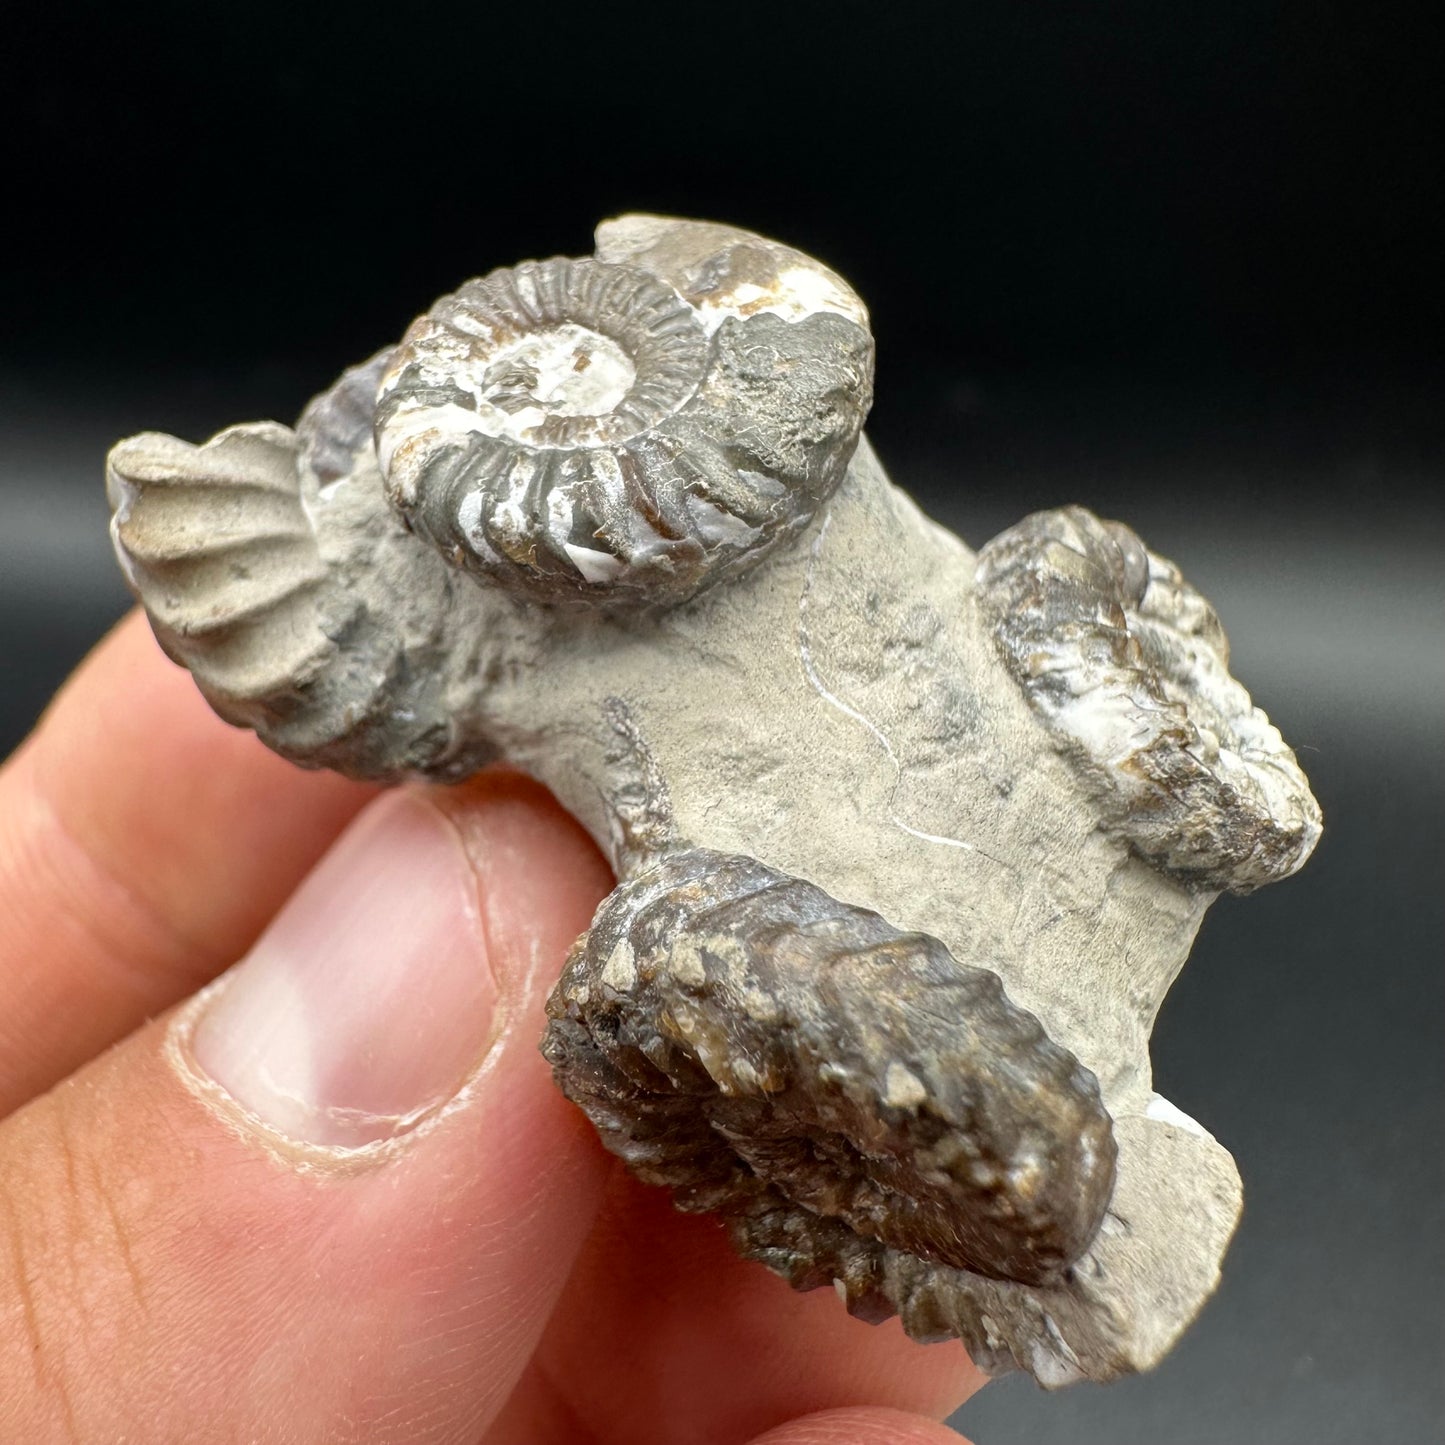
[{"x": 910, "y": 841}]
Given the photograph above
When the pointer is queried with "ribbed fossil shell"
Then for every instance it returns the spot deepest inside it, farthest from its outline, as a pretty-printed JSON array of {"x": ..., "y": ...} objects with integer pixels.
[
  {"x": 259, "y": 585},
  {"x": 767, "y": 1051},
  {"x": 626, "y": 432},
  {"x": 1130, "y": 666},
  {"x": 216, "y": 541}
]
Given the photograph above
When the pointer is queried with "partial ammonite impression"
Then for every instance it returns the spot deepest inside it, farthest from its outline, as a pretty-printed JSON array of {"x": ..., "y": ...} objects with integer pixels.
[{"x": 627, "y": 430}]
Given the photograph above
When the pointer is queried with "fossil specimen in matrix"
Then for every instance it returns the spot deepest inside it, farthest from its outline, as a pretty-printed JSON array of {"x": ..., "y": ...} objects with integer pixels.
[{"x": 910, "y": 841}]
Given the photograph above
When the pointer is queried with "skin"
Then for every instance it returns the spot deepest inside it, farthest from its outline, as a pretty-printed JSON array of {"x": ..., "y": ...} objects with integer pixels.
[{"x": 165, "y": 1276}]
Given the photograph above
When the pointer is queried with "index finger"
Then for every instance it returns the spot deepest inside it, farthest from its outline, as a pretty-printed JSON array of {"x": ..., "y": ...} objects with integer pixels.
[{"x": 144, "y": 844}]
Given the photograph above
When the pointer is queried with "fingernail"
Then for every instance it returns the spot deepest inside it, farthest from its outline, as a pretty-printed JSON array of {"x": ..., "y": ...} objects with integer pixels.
[{"x": 369, "y": 1000}]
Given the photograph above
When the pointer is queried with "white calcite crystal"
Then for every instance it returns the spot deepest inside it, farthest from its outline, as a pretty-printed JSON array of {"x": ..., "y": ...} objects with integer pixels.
[{"x": 910, "y": 841}]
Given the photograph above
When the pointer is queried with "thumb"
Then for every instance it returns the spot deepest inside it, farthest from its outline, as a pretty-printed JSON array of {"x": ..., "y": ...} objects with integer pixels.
[{"x": 335, "y": 1196}]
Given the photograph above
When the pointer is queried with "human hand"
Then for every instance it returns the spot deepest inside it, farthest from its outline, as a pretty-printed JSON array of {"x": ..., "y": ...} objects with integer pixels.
[{"x": 335, "y": 1197}]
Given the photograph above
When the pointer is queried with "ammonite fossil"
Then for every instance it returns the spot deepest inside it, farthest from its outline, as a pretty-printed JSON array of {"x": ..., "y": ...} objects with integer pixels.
[
  {"x": 582, "y": 429},
  {"x": 909, "y": 842}
]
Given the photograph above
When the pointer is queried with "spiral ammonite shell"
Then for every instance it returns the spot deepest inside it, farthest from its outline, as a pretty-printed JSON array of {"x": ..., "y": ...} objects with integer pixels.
[
  {"x": 583, "y": 431},
  {"x": 807, "y": 1070}
]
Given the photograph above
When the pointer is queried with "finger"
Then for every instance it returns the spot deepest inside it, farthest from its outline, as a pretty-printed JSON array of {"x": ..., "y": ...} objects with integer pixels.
[
  {"x": 277, "y": 1218},
  {"x": 538, "y": 1415},
  {"x": 861, "y": 1427},
  {"x": 719, "y": 1349},
  {"x": 143, "y": 845}
]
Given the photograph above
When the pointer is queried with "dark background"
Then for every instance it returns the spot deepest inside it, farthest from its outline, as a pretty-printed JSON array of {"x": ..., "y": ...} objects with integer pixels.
[{"x": 1180, "y": 262}]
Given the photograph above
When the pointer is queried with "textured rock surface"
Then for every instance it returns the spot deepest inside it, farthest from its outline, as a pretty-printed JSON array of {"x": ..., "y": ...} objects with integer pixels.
[{"x": 784, "y": 702}]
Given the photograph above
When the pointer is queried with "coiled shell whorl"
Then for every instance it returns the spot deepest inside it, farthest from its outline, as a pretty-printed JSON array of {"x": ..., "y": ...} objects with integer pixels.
[
  {"x": 627, "y": 429},
  {"x": 807, "y": 1070},
  {"x": 1128, "y": 665}
]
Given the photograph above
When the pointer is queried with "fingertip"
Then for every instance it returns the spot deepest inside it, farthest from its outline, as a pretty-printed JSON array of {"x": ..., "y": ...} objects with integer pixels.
[
  {"x": 864, "y": 1426},
  {"x": 167, "y": 798},
  {"x": 144, "y": 843}
]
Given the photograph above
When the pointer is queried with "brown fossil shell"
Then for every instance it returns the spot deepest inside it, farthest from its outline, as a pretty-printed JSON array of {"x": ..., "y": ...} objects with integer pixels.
[
  {"x": 813, "y": 1074},
  {"x": 1129, "y": 666},
  {"x": 582, "y": 431}
]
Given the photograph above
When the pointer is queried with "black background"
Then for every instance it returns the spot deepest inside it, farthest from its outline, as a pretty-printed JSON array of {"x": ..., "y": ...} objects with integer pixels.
[{"x": 1180, "y": 262}]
